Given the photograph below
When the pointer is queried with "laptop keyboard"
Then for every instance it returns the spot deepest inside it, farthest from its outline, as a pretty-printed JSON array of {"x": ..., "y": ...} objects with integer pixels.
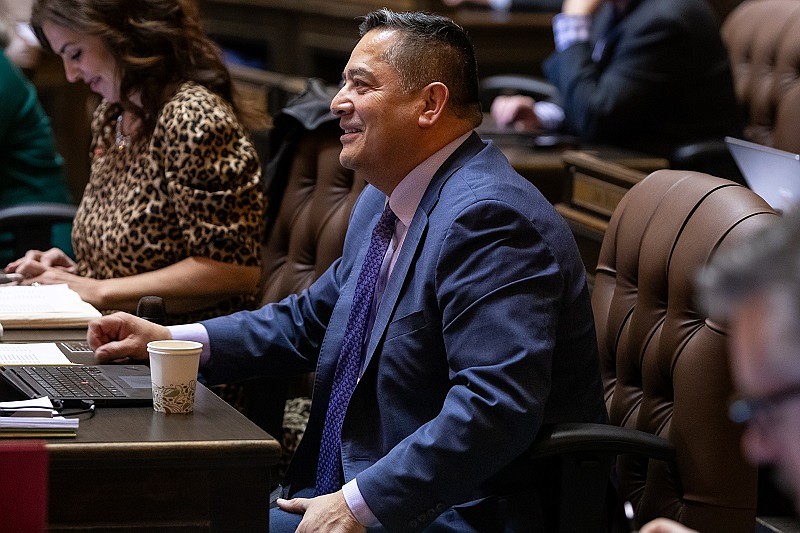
[
  {"x": 77, "y": 346},
  {"x": 73, "y": 382}
]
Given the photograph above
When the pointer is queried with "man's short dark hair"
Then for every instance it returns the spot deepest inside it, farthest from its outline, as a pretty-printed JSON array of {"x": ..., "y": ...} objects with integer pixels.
[{"x": 431, "y": 48}]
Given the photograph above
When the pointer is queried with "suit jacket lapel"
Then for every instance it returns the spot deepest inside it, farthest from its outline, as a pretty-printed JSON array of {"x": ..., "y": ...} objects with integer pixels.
[{"x": 413, "y": 239}]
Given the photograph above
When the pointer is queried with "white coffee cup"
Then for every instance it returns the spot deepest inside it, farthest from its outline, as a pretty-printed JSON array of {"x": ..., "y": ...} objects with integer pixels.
[{"x": 173, "y": 371}]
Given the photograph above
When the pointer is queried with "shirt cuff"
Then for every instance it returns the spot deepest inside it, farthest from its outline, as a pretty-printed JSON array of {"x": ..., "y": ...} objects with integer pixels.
[
  {"x": 500, "y": 5},
  {"x": 571, "y": 29},
  {"x": 359, "y": 508},
  {"x": 193, "y": 332},
  {"x": 550, "y": 115}
]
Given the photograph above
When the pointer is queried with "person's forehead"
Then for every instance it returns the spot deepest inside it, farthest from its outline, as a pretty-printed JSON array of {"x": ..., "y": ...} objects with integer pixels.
[
  {"x": 374, "y": 43},
  {"x": 368, "y": 57}
]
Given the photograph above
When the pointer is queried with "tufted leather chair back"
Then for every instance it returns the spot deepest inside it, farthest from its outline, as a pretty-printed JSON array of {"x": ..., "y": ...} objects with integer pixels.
[
  {"x": 307, "y": 234},
  {"x": 763, "y": 40},
  {"x": 664, "y": 364},
  {"x": 305, "y": 237}
]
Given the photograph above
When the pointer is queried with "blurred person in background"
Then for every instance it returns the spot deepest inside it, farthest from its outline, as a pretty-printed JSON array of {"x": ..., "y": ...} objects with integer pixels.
[{"x": 31, "y": 170}]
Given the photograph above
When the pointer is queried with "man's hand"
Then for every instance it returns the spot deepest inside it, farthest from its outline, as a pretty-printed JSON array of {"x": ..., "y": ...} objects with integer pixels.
[
  {"x": 516, "y": 112},
  {"x": 581, "y": 7},
  {"x": 456, "y": 3},
  {"x": 121, "y": 336},
  {"x": 664, "y": 525},
  {"x": 328, "y": 513}
]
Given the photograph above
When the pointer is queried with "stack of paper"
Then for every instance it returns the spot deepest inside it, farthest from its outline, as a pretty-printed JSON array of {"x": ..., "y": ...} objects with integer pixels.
[
  {"x": 44, "y": 306},
  {"x": 34, "y": 426},
  {"x": 34, "y": 418}
]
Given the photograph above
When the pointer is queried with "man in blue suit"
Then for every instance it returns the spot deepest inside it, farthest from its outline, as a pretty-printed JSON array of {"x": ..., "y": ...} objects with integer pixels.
[{"x": 477, "y": 331}]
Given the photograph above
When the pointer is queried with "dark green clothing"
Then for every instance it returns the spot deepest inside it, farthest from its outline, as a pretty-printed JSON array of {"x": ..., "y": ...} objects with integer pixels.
[{"x": 30, "y": 168}]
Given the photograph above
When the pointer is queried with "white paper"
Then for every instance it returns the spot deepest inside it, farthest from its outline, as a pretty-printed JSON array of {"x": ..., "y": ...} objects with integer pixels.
[
  {"x": 43, "y": 306},
  {"x": 36, "y": 406},
  {"x": 35, "y": 421},
  {"x": 44, "y": 401},
  {"x": 44, "y": 353},
  {"x": 40, "y": 299},
  {"x": 30, "y": 422}
]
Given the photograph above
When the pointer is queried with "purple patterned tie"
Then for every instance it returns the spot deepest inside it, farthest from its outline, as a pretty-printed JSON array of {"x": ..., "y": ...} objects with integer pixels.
[{"x": 329, "y": 469}]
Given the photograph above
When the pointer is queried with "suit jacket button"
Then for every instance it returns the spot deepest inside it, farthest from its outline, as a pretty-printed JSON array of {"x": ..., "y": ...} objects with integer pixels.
[
  {"x": 439, "y": 506},
  {"x": 421, "y": 517},
  {"x": 413, "y": 524},
  {"x": 431, "y": 514}
]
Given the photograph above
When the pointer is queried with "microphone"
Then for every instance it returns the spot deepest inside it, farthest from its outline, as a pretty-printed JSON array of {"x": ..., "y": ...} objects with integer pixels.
[{"x": 152, "y": 308}]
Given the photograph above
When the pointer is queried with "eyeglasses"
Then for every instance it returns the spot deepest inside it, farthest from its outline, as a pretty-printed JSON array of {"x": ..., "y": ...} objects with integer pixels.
[{"x": 744, "y": 410}]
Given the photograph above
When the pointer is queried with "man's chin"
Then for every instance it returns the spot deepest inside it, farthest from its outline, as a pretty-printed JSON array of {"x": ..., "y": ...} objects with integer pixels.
[{"x": 347, "y": 162}]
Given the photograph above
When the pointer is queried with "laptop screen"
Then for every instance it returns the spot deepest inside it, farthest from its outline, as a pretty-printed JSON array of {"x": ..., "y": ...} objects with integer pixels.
[{"x": 771, "y": 173}]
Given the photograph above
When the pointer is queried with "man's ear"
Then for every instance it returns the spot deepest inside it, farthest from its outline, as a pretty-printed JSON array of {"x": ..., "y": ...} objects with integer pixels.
[{"x": 434, "y": 97}]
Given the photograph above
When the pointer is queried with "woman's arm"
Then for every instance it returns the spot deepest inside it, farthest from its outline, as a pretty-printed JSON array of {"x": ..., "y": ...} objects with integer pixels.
[{"x": 188, "y": 285}]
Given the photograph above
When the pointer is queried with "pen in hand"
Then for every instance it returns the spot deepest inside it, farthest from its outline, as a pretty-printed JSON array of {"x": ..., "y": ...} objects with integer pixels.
[{"x": 8, "y": 278}]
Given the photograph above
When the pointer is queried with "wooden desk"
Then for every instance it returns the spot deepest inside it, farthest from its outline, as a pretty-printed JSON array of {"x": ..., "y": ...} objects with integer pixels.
[
  {"x": 596, "y": 186},
  {"x": 544, "y": 166},
  {"x": 132, "y": 469}
]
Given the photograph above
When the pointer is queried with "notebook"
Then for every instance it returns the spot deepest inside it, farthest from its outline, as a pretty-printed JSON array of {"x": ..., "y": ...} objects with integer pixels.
[
  {"x": 771, "y": 173},
  {"x": 106, "y": 385}
]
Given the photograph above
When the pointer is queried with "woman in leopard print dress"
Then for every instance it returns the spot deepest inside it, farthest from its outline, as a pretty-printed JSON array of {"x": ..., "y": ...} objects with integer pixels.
[{"x": 174, "y": 204}]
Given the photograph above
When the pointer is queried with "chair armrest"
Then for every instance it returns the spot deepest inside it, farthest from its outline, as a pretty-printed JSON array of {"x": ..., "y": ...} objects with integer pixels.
[
  {"x": 36, "y": 213},
  {"x": 536, "y": 88},
  {"x": 569, "y": 438},
  {"x": 31, "y": 225}
]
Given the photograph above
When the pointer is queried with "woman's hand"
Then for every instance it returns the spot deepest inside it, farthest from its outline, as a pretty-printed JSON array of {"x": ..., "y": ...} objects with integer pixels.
[
  {"x": 36, "y": 262},
  {"x": 89, "y": 289}
]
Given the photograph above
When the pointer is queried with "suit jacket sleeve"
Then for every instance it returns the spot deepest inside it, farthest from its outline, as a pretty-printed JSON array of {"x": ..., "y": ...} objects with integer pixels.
[
  {"x": 499, "y": 291},
  {"x": 281, "y": 338}
]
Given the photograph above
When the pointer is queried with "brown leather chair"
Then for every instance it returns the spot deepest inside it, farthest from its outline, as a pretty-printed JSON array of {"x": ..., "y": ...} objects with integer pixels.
[
  {"x": 664, "y": 364},
  {"x": 308, "y": 233},
  {"x": 763, "y": 40},
  {"x": 311, "y": 196}
]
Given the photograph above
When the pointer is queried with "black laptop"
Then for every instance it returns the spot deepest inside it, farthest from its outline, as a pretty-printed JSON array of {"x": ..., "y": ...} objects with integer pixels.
[{"x": 69, "y": 385}]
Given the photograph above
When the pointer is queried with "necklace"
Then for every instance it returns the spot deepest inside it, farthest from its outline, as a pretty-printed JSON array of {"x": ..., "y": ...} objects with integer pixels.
[{"x": 121, "y": 141}]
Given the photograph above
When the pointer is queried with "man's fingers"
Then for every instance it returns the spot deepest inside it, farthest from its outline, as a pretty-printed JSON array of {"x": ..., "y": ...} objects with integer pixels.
[
  {"x": 114, "y": 350},
  {"x": 295, "y": 505}
]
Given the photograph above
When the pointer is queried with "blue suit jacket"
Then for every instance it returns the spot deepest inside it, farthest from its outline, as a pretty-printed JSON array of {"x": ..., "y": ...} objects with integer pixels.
[{"x": 484, "y": 333}]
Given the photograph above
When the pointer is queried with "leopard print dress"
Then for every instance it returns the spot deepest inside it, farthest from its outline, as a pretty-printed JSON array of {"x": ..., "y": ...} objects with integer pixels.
[{"x": 193, "y": 189}]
